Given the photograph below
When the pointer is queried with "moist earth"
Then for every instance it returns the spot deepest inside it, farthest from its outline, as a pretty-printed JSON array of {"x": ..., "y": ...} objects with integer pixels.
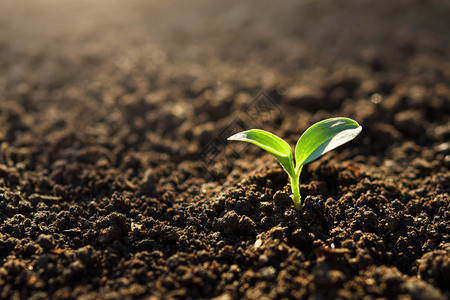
[{"x": 116, "y": 180}]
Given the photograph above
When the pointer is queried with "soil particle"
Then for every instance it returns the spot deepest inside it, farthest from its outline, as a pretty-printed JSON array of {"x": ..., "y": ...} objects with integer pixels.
[
  {"x": 328, "y": 278},
  {"x": 282, "y": 200},
  {"x": 45, "y": 241},
  {"x": 231, "y": 222},
  {"x": 434, "y": 267}
]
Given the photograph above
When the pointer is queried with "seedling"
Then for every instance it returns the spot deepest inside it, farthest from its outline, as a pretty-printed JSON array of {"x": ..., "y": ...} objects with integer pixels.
[{"x": 314, "y": 142}]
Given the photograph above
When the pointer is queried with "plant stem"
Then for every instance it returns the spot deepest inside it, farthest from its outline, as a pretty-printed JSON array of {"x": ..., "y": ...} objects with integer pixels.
[{"x": 296, "y": 197}]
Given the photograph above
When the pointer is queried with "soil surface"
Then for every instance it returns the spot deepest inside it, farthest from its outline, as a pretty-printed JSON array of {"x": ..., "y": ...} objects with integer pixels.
[{"x": 116, "y": 181}]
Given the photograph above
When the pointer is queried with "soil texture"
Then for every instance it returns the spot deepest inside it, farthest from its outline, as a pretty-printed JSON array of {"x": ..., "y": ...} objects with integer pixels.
[{"x": 116, "y": 180}]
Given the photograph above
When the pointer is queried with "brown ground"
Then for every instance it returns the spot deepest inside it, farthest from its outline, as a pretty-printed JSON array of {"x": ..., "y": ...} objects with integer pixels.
[{"x": 115, "y": 181}]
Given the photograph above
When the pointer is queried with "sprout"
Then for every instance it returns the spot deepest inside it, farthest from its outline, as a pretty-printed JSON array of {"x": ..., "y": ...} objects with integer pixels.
[{"x": 314, "y": 142}]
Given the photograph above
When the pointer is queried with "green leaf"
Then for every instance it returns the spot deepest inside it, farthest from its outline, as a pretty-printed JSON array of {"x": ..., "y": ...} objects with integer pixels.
[
  {"x": 323, "y": 137},
  {"x": 269, "y": 142}
]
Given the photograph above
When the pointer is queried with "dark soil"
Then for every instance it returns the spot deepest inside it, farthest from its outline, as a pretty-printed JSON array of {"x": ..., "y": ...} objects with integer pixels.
[{"x": 116, "y": 181}]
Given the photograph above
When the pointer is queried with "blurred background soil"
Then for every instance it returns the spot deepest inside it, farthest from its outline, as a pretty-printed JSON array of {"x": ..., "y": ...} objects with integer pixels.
[{"x": 116, "y": 181}]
